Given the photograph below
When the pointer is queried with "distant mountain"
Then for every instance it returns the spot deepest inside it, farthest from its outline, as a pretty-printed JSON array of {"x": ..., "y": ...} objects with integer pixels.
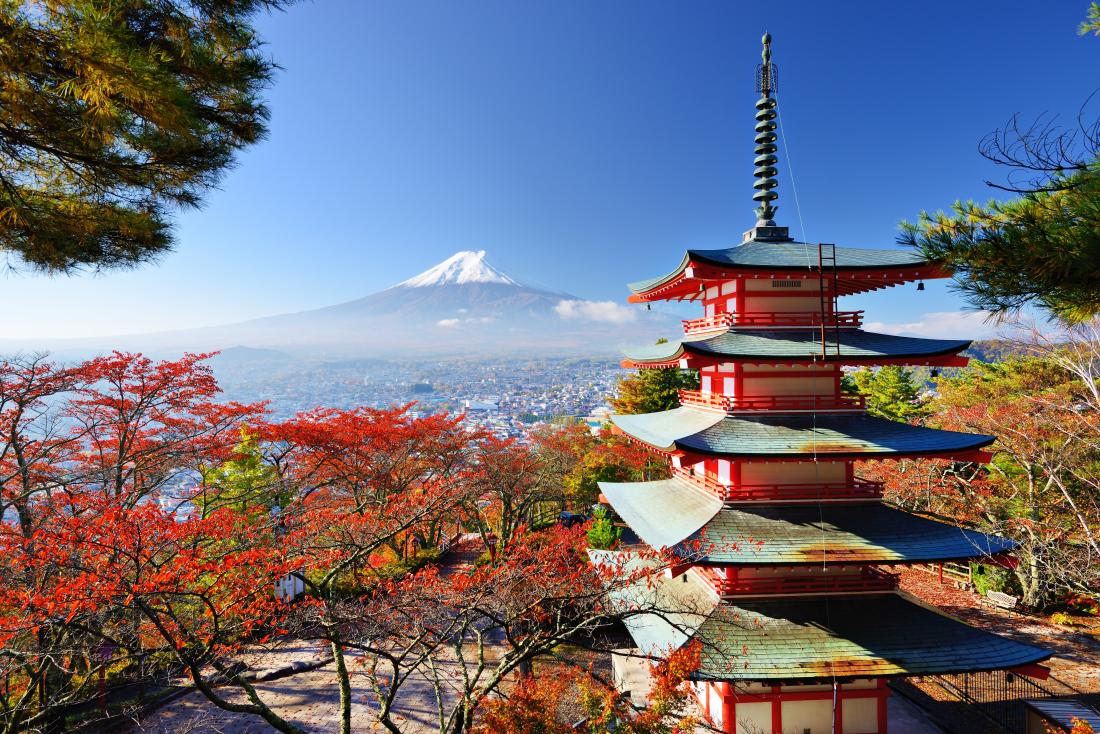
[
  {"x": 461, "y": 290},
  {"x": 461, "y": 307},
  {"x": 994, "y": 350},
  {"x": 460, "y": 268}
]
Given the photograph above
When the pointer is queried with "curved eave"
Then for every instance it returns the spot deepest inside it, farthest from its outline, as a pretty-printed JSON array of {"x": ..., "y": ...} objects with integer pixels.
[
  {"x": 883, "y": 636},
  {"x": 796, "y": 346},
  {"x": 673, "y": 514},
  {"x": 835, "y": 535},
  {"x": 803, "y": 256},
  {"x": 792, "y": 436},
  {"x": 701, "y": 268},
  {"x": 662, "y": 430},
  {"x": 662, "y": 513}
]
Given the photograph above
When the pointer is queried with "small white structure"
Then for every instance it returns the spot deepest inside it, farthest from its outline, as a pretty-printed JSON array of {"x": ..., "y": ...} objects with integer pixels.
[
  {"x": 290, "y": 587},
  {"x": 630, "y": 674}
]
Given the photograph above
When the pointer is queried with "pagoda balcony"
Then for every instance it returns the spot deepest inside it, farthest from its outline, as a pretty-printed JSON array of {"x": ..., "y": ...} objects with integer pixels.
[
  {"x": 868, "y": 579},
  {"x": 774, "y": 319},
  {"x": 857, "y": 489},
  {"x": 786, "y": 403}
]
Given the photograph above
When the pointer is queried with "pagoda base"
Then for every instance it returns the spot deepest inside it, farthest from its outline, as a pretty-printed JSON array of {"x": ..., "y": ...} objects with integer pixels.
[{"x": 853, "y": 707}]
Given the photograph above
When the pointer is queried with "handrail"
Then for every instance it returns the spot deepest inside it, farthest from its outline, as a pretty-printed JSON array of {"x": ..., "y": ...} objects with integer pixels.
[
  {"x": 732, "y": 403},
  {"x": 869, "y": 579},
  {"x": 839, "y": 319},
  {"x": 855, "y": 489}
]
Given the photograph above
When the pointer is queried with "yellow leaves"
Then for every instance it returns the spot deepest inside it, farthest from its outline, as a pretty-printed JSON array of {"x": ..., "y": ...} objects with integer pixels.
[{"x": 11, "y": 217}]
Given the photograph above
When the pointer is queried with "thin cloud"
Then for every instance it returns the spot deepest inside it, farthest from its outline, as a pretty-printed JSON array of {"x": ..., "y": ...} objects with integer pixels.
[
  {"x": 450, "y": 323},
  {"x": 944, "y": 325},
  {"x": 607, "y": 311}
]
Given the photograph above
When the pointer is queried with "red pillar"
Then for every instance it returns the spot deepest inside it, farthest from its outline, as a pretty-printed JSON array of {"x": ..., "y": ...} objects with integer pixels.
[
  {"x": 729, "y": 722},
  {"x": 777, "y": 711},
  {"x": 884, "y": 693}
]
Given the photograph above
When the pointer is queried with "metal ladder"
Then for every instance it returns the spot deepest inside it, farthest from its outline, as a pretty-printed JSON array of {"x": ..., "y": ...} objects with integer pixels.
[{"x": 828, "y": 292}]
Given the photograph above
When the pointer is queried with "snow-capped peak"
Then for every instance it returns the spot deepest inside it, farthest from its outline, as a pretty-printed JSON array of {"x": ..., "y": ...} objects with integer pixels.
[{"x": 467, "y": 266}]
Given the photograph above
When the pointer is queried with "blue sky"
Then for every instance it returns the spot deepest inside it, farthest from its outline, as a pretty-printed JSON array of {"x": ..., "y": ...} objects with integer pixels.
[{"x": 584, "y": 145}]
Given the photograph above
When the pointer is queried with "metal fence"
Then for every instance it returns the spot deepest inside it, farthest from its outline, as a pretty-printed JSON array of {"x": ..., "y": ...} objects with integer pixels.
[{"x": 997, "y": 696}]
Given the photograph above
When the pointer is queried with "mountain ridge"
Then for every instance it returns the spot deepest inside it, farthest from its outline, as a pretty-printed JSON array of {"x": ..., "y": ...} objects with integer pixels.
[{"x": 461, "y": 306}]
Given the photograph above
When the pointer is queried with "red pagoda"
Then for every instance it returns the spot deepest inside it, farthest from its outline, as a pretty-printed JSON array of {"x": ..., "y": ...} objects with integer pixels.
[{"x": 780, "y": 545}]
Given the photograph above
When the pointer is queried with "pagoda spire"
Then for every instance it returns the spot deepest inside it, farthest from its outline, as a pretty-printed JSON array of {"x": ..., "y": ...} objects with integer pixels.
[{"x": 767, "y": 81}]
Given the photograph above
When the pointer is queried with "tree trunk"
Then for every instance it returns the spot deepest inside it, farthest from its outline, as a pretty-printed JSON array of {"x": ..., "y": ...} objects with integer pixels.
[{"x": 342, "y": 679}]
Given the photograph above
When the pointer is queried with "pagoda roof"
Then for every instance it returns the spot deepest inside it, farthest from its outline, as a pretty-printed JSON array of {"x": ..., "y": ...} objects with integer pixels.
[
  {"x": 797, "y": 435},
  {"x": 807, "y": 638},
  {"x": 766, "y": 256},
  {"x": 797, "y": 344},
  {"x": 670, "y": 513}
]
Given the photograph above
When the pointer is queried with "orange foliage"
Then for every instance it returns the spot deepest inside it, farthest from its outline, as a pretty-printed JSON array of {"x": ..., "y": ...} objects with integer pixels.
[
  {"x": 1079, "y": 727},
  {"x": 537, "y": 704}
]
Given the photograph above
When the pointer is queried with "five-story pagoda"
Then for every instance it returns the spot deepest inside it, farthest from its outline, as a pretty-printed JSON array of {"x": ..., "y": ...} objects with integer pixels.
[{"x": 779, "y": 543}]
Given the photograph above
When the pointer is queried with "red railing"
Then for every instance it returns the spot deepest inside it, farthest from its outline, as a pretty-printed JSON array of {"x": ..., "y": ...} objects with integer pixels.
[
  {"x": 839, "y": 319},
  {"x": 733, "y": 403},
  {"x": 857, "y": 489},
  {"x": 868, "y": 579}
]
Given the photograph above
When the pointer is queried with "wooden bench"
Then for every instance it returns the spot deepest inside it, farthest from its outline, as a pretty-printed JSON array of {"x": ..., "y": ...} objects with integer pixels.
[{"x": 1001, "y": 599}]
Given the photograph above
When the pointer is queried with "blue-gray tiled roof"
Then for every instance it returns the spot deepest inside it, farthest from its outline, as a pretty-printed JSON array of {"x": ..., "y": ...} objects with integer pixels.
[
  {"x": 748, "y": 344},
  {"x": 792, "y": 435},
  {"x": 848, "y": 637},
  {"x": 670, "y": 513},
  {"x": 755, "y": 255}
]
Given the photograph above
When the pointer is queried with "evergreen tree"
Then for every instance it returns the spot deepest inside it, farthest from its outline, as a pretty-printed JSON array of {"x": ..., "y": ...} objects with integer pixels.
[
  {"x": 246, "y": 483},
  {"x": 114, "y": 113},
  {"x": 651, "y": 390},
  {"x": 891, "y": 392},
  {"x": 1041, "y": 249},
  {"x": 603, "y": 534}
]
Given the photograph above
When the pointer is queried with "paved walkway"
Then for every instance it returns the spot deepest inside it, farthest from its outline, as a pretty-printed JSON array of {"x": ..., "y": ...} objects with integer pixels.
[
  {"x": 904, "y": 717},
  {"x": 310, "y": 700}
]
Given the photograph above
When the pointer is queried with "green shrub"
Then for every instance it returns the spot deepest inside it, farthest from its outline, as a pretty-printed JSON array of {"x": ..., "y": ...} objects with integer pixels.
[
  {"x": 603, "y": 534},
  {"x": 1061, "y": 618},
  {"x": 990, "y": 578},
  {"x": 415, "y": 562}
]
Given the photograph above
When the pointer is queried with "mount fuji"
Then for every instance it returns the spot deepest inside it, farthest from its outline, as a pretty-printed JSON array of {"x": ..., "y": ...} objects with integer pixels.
[{"x": 462, "y": 306}]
